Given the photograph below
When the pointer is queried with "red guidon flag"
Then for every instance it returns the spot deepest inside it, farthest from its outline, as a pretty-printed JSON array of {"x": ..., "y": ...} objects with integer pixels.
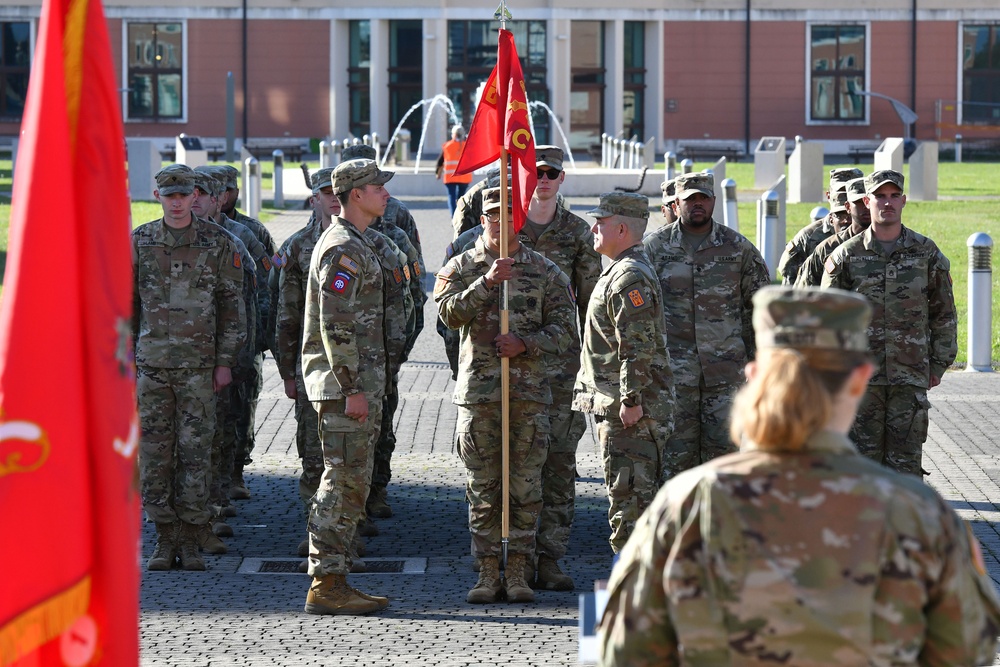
[
  {"x": 69, "y": 509},
  {"x": 512, "y": 130}
]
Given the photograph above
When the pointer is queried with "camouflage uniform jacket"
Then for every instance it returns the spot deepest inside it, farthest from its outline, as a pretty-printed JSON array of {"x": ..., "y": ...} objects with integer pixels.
[
  {"x": 469, "y": 209},
  {"x": 416, "y": 295},
  {"x": 258, "y": 229},
  {"x": 541, "y": 312},
  {"x": 624, "y": 347},
  {"x": 294, "y": 257},
  {"x": 396, "y": 298},
  {"x": 914, "y": 329},
  {"x": 244, "y": 369},
  {"x": 797, "y": 250},
  {"x": 262, "y": 266},
  {"x": 707, "y": 302},
  {"x": 811, "y": 273},
  {"x": 189, "y": 309},
  {"x": 397, "y": 214},
  {"x": 343, "y": 338},
  {"x": 813, "y": 557}
]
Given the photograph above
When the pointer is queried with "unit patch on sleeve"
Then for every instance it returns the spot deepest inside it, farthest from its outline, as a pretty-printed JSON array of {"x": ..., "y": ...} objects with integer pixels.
[
  {"x": 236, "y": 260},
  {"x": 266, "y": 262},
  {"x": 635, "y": 296},
  {"x": 406, "y": 271},
  {"x": 340, "y": 282}
]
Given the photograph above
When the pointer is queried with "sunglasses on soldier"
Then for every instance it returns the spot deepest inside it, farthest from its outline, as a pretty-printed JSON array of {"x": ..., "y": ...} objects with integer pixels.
[{"x": 551, "y": 174}]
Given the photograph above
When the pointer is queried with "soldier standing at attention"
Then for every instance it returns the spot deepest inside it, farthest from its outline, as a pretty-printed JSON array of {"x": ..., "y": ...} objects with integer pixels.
[
  {"x": 811, "y": 273},
  {"x": 797, "y": 550},
  {"x": 188, "y": 324},
  {"x": 541, "y": 311},
  {"x": 556, "y": 234},
  {"x": 669, "y": 200},
  {"x": 806, "y": 239},
  {"x": 625, "y": 379},
  {"x": 708, "y": 275},
  {"x": 294, "y": 257},
  {"x": 914, "y": 327},
  {"x": 343, "y": 368}
]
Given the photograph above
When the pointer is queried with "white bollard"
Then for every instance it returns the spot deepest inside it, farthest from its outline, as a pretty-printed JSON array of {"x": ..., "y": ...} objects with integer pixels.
[
  {"x": 251, "y": 186},
  {"x": 768, "y": 226},
  {"x": 687, "y": 166},
  {"x": 958, "y": 148},
  {"x": 325, "y": 155},
  {"x": 980, "y": 347},
  {"x": 730, "y": 212},
  {"x": 279, "y": 178},
  {"x": 670, "y": 158}
]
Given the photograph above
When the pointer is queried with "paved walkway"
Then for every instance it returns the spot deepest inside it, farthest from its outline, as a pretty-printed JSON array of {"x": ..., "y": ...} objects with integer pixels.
[{"x": 235, "y": 615}]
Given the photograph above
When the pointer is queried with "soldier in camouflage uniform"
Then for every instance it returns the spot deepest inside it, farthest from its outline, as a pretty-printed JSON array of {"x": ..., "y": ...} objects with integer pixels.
[
  {"x": 625, "y": 379},
  {"x": 914, "y": 329},
  {"x": 541, "y": 310},
  {"x": 797, "y": 550},
  {"x": 469, "y": 209},
  {"x": 344, "y": 370},
  {"x": 805, "y": 241},
  {"x": 247, "y": 393},
  {"x": 555, "y": 233},
  {"x": 811, "y": 273},
  {"x": 668, "y": 204},
  {"x": 206, "y": 208},
  {"x": 189, "y": 324},
  {"x": 292, "y": 263},
  {"x": 708, "y": 275}
]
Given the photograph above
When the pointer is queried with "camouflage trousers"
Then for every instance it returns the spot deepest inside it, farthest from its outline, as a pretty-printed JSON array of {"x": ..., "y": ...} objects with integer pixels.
[
  {"x": 339, "y": 502},
  {"x": 246, "y": 411},
  {"x": 633, "y": 462},
  {"x": 479, "y": 445},
  {"x": 891, "y": 426},
  {"x": 451, "y": 344},
  {"x": 701, "y": 428},
  {"x": 386, "y": 445},
  {"x": 223, "y": 446},
  {"x": 307, "y": 444},
  {"x": 177, "y": 414},
  {"x": 566, "y": 427}
]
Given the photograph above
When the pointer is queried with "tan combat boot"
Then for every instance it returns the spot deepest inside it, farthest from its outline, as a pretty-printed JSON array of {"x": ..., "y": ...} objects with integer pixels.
[
  {"x": 209, "y": 541},
  {"x": 238, "y": 489},
  {"x": 221, "y": 528},
  {"x": 331, "y": 595},
  {"x": 551, "y": 577},
  {"x": 187, "y": 544},
  {"x": 514, "y": 582},
  {"x": 303, "y": 550},
  {"x": 378, "y": 505},
  {"x": 165, "y": 552},
  {"x": 367, "y": 528},
  {"x": 489, "y": 585}
]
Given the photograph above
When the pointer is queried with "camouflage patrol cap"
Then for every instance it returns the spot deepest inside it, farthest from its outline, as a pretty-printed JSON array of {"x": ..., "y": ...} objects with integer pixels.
[
  {"x": 843, "y": 176},
  {"x": 357, "y": 173},
  {"x": 549, "y": 156},
  {"x": 493, "y": 177},
  {"x": 686, "y": 185},
  {"x": 322, "y": 179},
  {"x": 628, "y": 204},
  {"x": 175, "y": 178},
  {"x": 491, "y": 200},
  {"x": 838, "y": 199},
  {"x": 358, "y": 151},
  {"x": 206, "y": 182},
  {"x": 230, "y": 176},
  {"x": 856, "y": 190},
  {"x": 809, "y": 318},
  {"x": 879, "y": 178},
  {"x": 669, "y": 190}
]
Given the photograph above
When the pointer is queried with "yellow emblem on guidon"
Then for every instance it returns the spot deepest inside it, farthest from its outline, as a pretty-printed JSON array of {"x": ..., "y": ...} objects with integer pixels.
[{"x": 24, "y": 446}]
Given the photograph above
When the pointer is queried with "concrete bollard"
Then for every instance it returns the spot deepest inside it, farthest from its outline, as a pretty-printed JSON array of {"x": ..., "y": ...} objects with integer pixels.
[
  {"x": 730, "y": 212},
  {"x": 687, "y": 166},
  {"x": 980, "y": 343},
  {"x": 377, "y": 147},
  {"x": 670, "y": 158},
  {"x": 251, "y": 186},
  {"x": 768, "y": 228},
  {"x": 279, "y": 178},
  {"x": 325, "y": 155},
  {"x": 604, "y": 150},
  {"x": 958, "y": 148}
]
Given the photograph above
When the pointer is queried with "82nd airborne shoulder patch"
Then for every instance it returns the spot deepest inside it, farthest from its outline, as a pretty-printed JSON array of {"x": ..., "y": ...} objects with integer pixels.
[{"x": 340, "y": 282}]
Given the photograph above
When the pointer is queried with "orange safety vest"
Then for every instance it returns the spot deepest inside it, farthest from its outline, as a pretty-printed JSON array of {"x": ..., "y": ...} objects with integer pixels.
[{"x": 452, "y": 150}]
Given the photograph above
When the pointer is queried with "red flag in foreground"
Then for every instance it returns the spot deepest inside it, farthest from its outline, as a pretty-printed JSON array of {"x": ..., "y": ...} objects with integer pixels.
[
  {"x": 488, "y": 133},
  {"x": 68, "y": 424}
]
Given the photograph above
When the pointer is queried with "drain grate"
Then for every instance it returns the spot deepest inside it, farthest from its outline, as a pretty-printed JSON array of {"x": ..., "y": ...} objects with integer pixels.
[{"x": 375, "y": 566}]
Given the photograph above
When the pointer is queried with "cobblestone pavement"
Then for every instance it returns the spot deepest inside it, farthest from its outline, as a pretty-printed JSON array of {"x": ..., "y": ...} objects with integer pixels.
[{"x": 233, "y": 615}]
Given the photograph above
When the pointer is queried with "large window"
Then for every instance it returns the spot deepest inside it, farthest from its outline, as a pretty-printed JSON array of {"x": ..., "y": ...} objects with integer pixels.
[
  {"x": 635, "y": 79},
  {"x": 15, "y": 63},
  {"x": 406, "y": 61},
  {"x": 472, "y": 53},
  {"x": 837, "y": 72},
  {"x": 981, "y": 74},
  {"x": 155, "y": 71},
  {"x": 359, "y": 77},
  {"x": 586, "y": 111}
]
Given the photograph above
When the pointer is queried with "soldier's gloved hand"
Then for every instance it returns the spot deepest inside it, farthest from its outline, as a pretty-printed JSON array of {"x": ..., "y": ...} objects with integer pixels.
[
  {"x": 509, "y": 345},
  {"x": 290, "y": 390},
  {"x": 222, "y": 377},
  {"x": 357, "y": 407},
  {"x": 502, "y": 269}
]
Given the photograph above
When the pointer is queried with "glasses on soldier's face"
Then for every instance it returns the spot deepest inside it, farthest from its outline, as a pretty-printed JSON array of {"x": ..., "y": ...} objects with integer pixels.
[
  {"x": 551, "y": 174},
  {"x": 493, "y": 218}
]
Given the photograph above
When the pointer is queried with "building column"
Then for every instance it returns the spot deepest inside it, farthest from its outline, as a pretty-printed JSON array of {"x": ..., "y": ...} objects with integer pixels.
[
  {"x": 614, "y": 76},
  {"x": 655, "y": 88},
  {"x": 560, "y": 76},
  {"x": 436, "y": 79},
  {"x": 379, "y": 78},
  {"x": 340, "y": 102}
]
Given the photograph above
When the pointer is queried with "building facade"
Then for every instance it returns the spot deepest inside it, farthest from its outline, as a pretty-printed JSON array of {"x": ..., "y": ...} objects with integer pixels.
[{"x": 697, "y": 71}]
